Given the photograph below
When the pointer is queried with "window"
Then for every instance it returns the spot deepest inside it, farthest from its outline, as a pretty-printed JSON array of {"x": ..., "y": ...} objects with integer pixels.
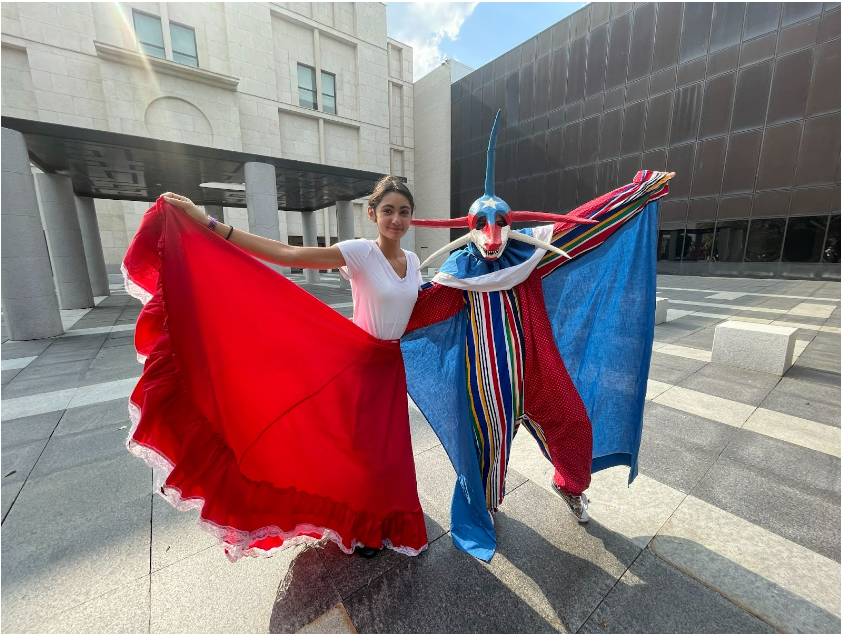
[
  {"x": 150, "y": 36},
  {"x": 765, "y": 240},
  {"x": 804, "y": 239},
  {"x": 183, "y": 44},
  {"x": 328, "y": 92},
  {"x": 306, "y": 87},
  {"x": 697, "y": 243},
  {"x": 670, "y": 243},
  {"x": 832, "y": 248},
  {"x": 729, "y": 245}
]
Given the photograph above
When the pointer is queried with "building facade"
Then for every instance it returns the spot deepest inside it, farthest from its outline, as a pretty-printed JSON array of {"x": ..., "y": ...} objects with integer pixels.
[
  {"x": 319, "y": 82},
  {"x": 741, "y": 100}
]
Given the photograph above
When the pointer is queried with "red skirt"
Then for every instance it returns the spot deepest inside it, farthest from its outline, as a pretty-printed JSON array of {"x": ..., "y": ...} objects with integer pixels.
[{"x": 270, "y": 412}]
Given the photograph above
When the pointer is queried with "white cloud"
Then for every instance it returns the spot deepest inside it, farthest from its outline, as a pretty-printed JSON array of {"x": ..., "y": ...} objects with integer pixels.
[{"x": 423, "y": 25}]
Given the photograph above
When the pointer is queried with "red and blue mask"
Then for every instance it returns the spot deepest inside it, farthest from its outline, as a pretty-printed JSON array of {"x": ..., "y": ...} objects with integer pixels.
[{"x": 489, "y": 218}]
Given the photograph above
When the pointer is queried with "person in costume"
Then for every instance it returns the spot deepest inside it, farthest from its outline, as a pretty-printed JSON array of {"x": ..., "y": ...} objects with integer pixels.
[
  {"x": 270, "y": 412},
  {"x": 549, "y": 328}
]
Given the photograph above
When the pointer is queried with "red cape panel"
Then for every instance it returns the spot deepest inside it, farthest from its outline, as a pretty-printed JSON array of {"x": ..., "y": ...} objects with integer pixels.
[{"x": 271, "y": 412}]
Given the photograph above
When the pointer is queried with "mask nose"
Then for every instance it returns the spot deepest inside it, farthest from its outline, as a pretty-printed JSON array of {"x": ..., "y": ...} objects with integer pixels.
[{"x": 493, "y": 237}]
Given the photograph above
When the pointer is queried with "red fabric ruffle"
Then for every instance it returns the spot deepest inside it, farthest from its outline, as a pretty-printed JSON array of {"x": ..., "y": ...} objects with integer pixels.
[{"x": 272, "y": 413}]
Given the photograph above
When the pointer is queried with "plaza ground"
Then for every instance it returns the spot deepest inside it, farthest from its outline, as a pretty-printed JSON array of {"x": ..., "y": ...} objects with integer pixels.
[{"x": 731, "y": 526}]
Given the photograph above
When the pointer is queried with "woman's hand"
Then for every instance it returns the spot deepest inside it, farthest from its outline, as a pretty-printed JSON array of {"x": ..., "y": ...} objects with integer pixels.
[{"x": 186, "y": 205}]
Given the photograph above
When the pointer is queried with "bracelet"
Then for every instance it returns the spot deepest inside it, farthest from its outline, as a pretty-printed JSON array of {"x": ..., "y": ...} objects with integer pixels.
[
  {"x": 212, "y": 224},
  {"x": 228, "y": 237}
]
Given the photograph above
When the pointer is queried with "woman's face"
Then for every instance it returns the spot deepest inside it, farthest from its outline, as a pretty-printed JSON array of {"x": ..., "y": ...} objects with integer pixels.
[{"x": 393, "y": 215}]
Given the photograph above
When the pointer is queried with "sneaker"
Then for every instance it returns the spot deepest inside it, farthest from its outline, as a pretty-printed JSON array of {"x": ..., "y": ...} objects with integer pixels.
[{"x": 577, "y": 504}]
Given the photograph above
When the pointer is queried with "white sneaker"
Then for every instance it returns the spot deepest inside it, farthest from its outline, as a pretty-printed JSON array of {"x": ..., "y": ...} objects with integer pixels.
[{"x": 577, "y": 504}]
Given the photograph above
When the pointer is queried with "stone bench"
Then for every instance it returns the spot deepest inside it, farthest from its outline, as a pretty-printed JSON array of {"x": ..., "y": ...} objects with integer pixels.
[
  {"x": 750, "y": 345},
  {"x": 661, "y": 310}
]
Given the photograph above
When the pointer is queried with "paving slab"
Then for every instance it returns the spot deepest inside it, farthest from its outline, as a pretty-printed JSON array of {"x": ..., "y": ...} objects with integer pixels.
[
  {"x": 23, "y": 386},
  {"x": 806, "y": 399},
  {"x": 785, "y": 489},
  {"x": 423, "y": 437},
  {"x": 732, "y": 383},
  {"x": 799, "y": 431},
  {"x": 207, "y": 593},
  {"x": 176, "y": 534},
  {"x": 336, "y": 620},
  {"x": 654, "y": 597},
  {"x": 443, "y": 590},
  {"x": 50, "y": 568},
  {"x": 80, "y": 449},
  {"x": 18, "y": 461},
  {"x": 94, "y": 416},
  {"x": 745, "y": 564},
  {"x": 559, "y": 566},
  {"x": 28, "y": 429},
  {"x": 672, "y": 369},
  {"x": 705, "y": 405},
  {"x": 678, "y": 448},
  {"x": 7, "y": 375},
  {"x": 123, "y": 610},
  {"x": 25, "y": 348}
]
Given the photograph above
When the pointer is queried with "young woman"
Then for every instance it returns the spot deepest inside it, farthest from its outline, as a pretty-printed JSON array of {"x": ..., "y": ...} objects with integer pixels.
[{"x": 278, "y": 418}]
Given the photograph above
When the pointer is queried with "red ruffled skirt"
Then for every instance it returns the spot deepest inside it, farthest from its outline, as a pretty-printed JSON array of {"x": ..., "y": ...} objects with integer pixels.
[{"x": 270, "y": 412}]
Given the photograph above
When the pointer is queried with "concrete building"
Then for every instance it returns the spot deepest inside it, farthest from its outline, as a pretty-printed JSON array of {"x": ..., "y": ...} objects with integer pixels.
[
  {"x": 313, "y": 82},
  {"x": 432, "y": 153},
  {"x": 741, "y": 100}
]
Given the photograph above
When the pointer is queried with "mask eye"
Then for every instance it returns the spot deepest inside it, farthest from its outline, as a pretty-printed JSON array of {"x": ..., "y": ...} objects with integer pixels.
[
  {"x": 481, "y": 221},
  {"x": 501, "y": 222}
]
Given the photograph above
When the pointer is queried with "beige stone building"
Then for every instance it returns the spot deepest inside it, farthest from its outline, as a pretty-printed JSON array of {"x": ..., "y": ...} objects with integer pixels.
[{"x": 317, "y": 82}]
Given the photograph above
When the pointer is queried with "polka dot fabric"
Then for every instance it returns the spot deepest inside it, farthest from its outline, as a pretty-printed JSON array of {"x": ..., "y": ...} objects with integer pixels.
[{"x": 551, "y": 399}]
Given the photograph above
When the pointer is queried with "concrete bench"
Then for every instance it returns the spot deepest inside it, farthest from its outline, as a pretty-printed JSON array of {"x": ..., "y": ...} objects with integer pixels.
[
  {"x": 750, "y": 345},
  {"x": 661, "y": 310}
]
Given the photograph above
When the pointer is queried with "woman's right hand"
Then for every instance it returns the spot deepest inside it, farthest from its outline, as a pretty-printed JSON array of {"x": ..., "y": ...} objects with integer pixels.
[{"x": 186, "y": 205}]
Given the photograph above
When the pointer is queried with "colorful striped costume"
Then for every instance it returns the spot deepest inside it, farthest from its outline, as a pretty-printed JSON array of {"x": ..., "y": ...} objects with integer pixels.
[{"x": 513, "y": 372}]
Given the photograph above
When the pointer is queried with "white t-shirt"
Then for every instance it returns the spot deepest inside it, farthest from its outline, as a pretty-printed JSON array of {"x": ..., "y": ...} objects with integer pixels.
[{"x": 382, "y": 301}]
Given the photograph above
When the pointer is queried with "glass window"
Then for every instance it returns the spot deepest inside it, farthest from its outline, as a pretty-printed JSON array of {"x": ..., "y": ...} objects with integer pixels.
[
  {"x": 765, "y": 240},
  {"x": 669, "y": 244},
  {"x": 832, "y": 248},
  {"x": 306, "y": 87},
  {"x": 698, "y": 241},
  {"x": 804, "y": 239},
  {"x": 729, "y": 244},
  {"x": 328, "y": 92},
  {"x": 183, "y": 44},
  {"x": 150, "y": 36}
]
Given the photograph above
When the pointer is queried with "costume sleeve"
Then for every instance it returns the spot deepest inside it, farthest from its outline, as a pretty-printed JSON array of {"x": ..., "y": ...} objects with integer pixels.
[
  {"x": 355, "y": 253},
  {"x": 435, "y": 303},
  {"x": 611, "y": 211}
]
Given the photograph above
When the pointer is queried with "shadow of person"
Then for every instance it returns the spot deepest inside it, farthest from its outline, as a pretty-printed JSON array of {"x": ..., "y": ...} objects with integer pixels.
[{"x": 446, "y": 590}]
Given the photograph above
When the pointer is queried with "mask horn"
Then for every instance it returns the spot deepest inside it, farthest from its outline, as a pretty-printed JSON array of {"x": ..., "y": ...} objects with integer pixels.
[
  {"x": 537, "y": 216},
  {"x": 522, "y": 237},
  {"x": 454, "y": 223},
  {"x": 489, "y": 169},
  {"x": 455, "y": 244}
]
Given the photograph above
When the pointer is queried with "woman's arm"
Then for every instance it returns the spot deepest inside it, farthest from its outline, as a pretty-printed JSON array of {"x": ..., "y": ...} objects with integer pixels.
[{"x": 264, "y": 248}]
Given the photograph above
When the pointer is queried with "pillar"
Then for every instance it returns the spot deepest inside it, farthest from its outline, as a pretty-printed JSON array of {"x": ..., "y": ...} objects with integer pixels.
[
  {"x": 64, "y": 240},
  {"x": 86, "y": 210},
  {"x": 216, "y": 211},
  {"x": 310, "y": 228},
  {"x": 261, "y": 201},
  {"x": 344, "y": 228},
  {"x": 30, "y": 303}
]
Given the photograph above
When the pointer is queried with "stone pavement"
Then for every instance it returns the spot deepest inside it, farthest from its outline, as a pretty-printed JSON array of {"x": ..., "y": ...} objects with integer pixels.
[{"x": 732, "y": 525}]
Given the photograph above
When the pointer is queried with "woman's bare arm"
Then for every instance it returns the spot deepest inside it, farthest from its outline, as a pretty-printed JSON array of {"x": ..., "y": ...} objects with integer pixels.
[{"x": 265, "y": 248}]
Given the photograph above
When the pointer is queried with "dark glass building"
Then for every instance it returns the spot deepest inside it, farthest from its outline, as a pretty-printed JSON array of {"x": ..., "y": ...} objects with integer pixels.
[{"x": 741, "y": 100}]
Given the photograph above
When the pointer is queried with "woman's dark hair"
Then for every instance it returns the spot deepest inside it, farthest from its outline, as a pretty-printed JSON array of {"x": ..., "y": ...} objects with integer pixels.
[{"x": 389, "y": 184}]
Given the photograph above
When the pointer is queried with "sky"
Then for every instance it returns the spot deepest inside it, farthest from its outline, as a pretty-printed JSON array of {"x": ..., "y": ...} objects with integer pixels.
[{"x": 474, "y": 33}]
